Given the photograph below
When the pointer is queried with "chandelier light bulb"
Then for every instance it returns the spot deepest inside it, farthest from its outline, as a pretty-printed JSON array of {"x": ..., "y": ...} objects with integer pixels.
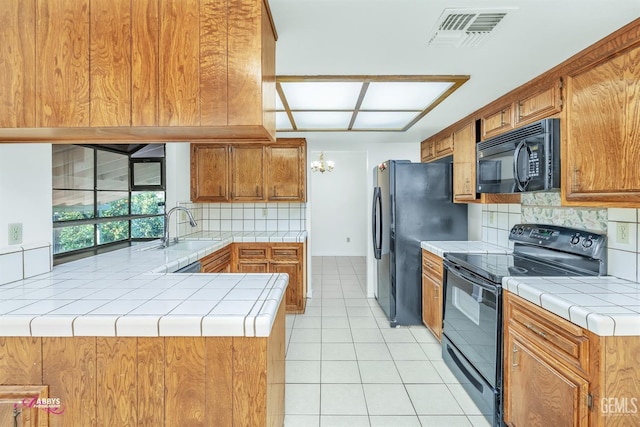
[{"x": 321, "y": 165}]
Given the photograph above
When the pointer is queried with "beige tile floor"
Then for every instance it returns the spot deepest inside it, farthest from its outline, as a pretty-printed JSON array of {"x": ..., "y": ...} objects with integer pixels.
[{"x": 347, "y": 367}]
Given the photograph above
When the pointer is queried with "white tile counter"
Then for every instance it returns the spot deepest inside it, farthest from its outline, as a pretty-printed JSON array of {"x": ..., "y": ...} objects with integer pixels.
[
  {"x": 606, "y": 306},
  {"x": 463, "y": 246},
  {"x": 133, "y": 292}
]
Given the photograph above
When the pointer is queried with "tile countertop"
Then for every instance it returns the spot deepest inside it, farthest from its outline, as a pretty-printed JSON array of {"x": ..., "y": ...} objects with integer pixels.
[
  {"x": 606, "y": 306},
  {"x": 133, "y": 292},
  {"x": 471, "y": 247}
]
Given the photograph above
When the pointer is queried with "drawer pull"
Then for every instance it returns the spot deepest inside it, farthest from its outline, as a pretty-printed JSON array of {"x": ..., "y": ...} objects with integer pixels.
[
  {"x": 514, "y": 364},
  {"x": 535, "y": 330}
]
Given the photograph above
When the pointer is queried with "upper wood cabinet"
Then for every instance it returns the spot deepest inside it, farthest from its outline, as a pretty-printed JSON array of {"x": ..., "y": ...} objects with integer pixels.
[
  {"x": 286, "y": 170},
  {"x": 433, "y": 149},
  {"x": 245, "y": 172},
  {"x": 209, "y": 173},
  {"x": 602, "y": 143},
  {"x": 163, "y": 70},
  {"x": 540, "y": 104},
  {"x": 464, "y": 164},
  {"x": 497, "y": 122}
]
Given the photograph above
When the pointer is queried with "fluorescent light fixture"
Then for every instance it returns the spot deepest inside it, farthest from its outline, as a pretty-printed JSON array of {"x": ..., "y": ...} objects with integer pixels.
[
  {"x": 338, "y": 120},
  {"x": 358, "y": 103},
  {"x": 390, "y": 120},
  {"x": 402, "y": 95},
  {"x": 322, "y": 95}
]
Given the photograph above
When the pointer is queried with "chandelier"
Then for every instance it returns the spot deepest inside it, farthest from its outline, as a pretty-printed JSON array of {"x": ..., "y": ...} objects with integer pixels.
[{"x": 321, "y": 165}]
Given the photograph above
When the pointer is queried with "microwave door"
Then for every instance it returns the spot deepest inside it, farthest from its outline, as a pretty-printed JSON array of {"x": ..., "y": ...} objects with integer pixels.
[{"x": 521, "y": 157}]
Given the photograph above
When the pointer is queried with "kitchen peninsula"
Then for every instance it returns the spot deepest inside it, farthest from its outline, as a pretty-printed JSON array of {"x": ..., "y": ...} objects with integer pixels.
[{"x": 118, "y": 339}]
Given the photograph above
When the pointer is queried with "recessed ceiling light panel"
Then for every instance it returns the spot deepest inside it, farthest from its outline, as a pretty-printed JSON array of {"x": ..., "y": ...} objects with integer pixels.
[
  {"x": 388, "y": 120},
  {"x": 321, "y": 95},
  {"x": 402, "y": 95},
  {"x": 322, "y": 120},
  {"x": 282, "y": 121}
]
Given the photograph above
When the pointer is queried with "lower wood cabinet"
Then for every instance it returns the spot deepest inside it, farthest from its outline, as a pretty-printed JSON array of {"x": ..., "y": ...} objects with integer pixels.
[
  {"x": 217, "y": 262},
  {"x": 287, "y": 258},
  {"x": 432, "y": 293},
  {"x": 18, "y": 406},
  {"x": 559, "y": 374}
]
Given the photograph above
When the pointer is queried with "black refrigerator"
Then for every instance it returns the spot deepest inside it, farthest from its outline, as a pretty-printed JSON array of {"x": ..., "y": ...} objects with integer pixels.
[{"x": 412, "y": 202}]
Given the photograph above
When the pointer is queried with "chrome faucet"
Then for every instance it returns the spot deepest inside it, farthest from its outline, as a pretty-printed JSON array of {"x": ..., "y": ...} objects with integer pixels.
[{"x": 167, "y": 216}]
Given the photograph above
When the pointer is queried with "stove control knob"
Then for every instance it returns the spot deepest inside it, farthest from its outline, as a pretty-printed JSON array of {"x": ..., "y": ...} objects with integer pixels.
[
  {"x": 520, "y": 230},
  {"x": 575, "y": 239},
  {"x": 587, "y": 243}
]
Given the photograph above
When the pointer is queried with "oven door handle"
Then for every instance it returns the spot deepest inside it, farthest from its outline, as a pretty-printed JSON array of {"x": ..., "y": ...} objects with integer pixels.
[{"x": 470, "y": 277}]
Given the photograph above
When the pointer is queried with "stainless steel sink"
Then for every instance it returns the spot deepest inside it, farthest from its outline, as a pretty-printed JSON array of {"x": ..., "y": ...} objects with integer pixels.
[{"x": 183, "y": 245}]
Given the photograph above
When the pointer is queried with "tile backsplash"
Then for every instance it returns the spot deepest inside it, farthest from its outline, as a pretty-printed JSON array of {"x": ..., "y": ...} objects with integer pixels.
[
  {"x": 623, "y": 252},
  {"x": 24, "y": 261},
  {"x": 244, "y": 217}
]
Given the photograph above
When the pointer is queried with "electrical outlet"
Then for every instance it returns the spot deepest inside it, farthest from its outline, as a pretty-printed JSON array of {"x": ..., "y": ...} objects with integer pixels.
[
  {"x": 492, "y": 218},
  {"x": 348, "y": 239},
  {"x": 15, "y": 234},
  {"x": 264, "y": 212},
  {"x": 622, "y": 232}
]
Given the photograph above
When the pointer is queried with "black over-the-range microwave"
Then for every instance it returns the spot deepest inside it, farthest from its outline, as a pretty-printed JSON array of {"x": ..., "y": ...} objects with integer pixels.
[{"x": 521, "y": 160}]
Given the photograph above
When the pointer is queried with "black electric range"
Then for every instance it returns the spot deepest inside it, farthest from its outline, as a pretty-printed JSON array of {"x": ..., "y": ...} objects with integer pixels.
[{"x": 472, "y": 303}]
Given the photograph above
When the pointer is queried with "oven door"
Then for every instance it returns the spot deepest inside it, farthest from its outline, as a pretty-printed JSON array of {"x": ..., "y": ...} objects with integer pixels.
[{"x": 472, "y": 320}]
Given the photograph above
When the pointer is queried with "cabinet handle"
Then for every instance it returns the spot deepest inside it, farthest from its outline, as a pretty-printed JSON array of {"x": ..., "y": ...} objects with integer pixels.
[
  {"x": 274, "y": 191},
  {"x": 220, "y": 190},
  {"x": 514, "y": 364},
  {"x": 436, "y": 296},
  {"x": 575, "y": 186},
  {"x": 535, "y": 330},
  {"x": 257, "y": 194},
  {"x": 501, "y": 118}
]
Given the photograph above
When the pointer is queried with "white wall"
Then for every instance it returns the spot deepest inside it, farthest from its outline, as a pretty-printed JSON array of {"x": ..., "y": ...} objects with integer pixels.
[
  {"x": 25, "y": 191},
  {"x": 376, "y": 153},
  {"x": 338, "y": 201}
]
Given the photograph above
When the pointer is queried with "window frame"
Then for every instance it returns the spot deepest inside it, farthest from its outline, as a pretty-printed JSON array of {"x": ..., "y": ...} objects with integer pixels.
[{"x": 96, "y": 220}]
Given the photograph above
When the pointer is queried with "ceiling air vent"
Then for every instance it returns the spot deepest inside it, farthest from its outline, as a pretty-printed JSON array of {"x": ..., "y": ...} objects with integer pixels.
[{"x": 463, "y": 27}]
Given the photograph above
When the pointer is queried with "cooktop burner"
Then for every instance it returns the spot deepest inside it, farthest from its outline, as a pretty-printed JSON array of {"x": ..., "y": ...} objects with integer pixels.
[{"x": 496, "y": 266}]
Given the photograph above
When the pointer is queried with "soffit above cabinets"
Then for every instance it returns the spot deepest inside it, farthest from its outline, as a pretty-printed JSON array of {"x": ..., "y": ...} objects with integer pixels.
[{"x": 358, "y": 103}]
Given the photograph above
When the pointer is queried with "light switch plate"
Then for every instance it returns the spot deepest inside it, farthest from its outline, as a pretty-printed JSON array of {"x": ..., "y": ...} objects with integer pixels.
[{"x": 15, "y": 233}]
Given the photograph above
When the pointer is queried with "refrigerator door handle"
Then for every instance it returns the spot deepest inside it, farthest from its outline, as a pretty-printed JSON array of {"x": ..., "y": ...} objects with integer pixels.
[{"x": 376, "y": 221}]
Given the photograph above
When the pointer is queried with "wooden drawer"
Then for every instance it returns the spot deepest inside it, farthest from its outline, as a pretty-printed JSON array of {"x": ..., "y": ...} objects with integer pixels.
[
  {"x": 217, "y": 262},
  {"x": 568, "y": 343},
  {"x": 285, "y": 252},
  {"x": 252, "y": 251},
  {"x": 432, "y": 265}
]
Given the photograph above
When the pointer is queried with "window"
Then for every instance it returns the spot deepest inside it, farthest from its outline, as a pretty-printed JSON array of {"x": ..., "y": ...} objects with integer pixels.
[{"x": 102, "y": 196}]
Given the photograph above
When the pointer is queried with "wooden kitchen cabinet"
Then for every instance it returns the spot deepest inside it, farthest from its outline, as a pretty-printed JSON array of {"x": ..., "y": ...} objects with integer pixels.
[
  {"x": 17, "y": 408},
  {"x": 432, "y": 274},
  {"x": 557, "y": 373},
  {"x": 286, "y": 170},
  {"x": 464, "y": 164},
  {"x": 209, "y": 173},
  {"x": 539, "y": 104},
  {"x": 246, "y": 172},
  {"x": 287, "y": 258},
  {"x": 601, "y": 145},
  {"x": 434, "y": 149},
  {"x": 217, "y": 262},
  {"x": 161, "y": 70},
  {"x": 497, "y": 122}
]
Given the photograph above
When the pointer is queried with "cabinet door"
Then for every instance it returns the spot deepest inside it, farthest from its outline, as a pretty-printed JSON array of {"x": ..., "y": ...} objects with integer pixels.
[
  {"x": 62, "y": 65},
  {"x": 294, "y": 298},
  {"x": 464, "y": 164},
  {"x": 444, "y": 146},
  {"x": 286, "y": 170},
  {"x": 601, "y": 127},
  {"x": 110, "y": 65},
  {"x": 253, "y": 266},
  {"x": 432, "y": 306},
  {"x": 18, "y": 67},
  {"x": 538, "y": 393},
  {"x": 247, "y": 173},
  {"x": 17, "y": 406},
  {"x": 427, "y": 151},
  {"x": 496, "y": 123},
  {"x": 539, "y": 105},
  {"x": 209, "y": 173}
]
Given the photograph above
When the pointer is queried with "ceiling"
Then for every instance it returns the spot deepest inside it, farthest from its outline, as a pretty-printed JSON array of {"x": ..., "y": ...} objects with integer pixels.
[{"x": 390, "y": 37}]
